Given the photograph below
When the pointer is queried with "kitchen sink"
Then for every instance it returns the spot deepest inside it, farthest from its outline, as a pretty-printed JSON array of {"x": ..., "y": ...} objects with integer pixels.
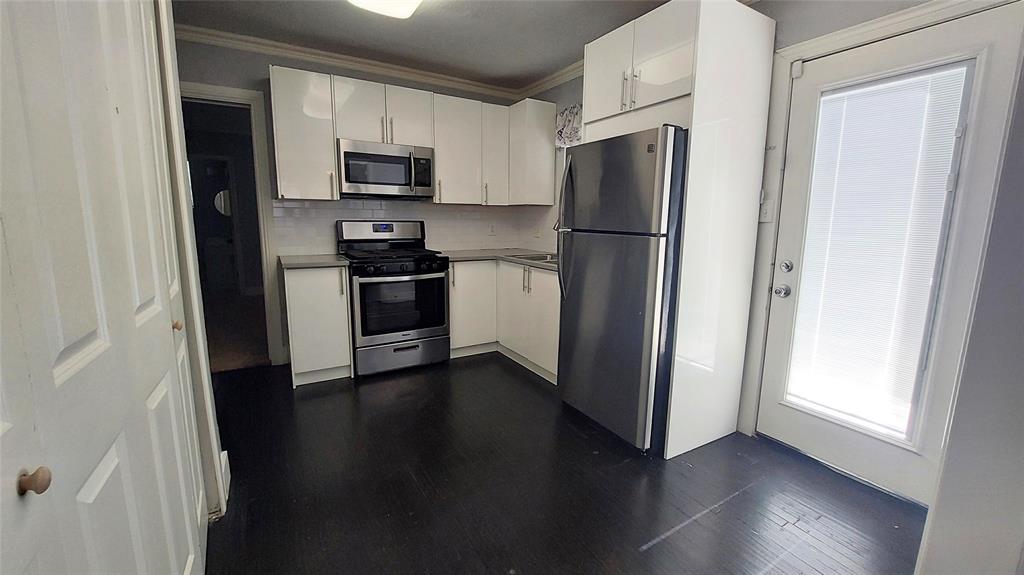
[{"x": 544, "y": 258}]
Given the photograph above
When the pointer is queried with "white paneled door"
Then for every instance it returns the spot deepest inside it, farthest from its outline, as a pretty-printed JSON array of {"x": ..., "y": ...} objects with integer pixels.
[
  {"x": 891, "y": 159},
  {"x": 94, "y": 386}
]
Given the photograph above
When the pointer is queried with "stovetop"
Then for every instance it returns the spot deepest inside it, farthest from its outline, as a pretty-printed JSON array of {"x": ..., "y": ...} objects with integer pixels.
[{"x": 389, "y": 254}]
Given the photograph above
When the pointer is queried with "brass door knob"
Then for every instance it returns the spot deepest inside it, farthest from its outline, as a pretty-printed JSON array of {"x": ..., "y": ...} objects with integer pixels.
[
  {"x": 37, "y": 481},
  {"x": 177, "y": 325}
]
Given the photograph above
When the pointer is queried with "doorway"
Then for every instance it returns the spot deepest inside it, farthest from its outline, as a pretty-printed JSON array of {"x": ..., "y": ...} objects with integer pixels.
[
  {"x": 219, "y": 143},
  {"x": 889, "y": 177}
]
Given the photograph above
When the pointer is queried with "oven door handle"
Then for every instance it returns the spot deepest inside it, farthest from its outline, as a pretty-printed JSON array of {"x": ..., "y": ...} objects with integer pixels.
[{"x": 393, "y": 279}]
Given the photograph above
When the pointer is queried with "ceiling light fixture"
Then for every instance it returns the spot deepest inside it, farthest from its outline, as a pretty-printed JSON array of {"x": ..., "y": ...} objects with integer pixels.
[{"x": 393, "y": 8}]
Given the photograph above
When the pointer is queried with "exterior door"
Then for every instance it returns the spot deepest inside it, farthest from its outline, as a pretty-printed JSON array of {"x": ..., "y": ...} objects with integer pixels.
[
  {"x": 892, "y": 153},
  {"x": 93, "y": 386}
]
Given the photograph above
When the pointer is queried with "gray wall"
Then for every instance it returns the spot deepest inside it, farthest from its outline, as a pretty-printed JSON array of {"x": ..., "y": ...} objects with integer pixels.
[{"x": 799, "y": 20}]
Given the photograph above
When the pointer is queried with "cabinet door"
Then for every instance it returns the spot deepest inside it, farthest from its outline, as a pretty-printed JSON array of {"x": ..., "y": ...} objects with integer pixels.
[
  {"x": 606, "y": 70},
  {"x": 303, "y": 115},
  {"x": 531, "y": 162},
  {"x": 473, "y": 295},
  {"x": 410, "y": 116},
  {"x": 513, "y": 322},
  {"x": 495, "y": 154},
  {"x": 663, "y": 53},
  {"x": 457, "y": 132},
  {"x": 318, "y": 318},
  {"x": 545, "y": 305},
  {"x": 359, "y": 110}
]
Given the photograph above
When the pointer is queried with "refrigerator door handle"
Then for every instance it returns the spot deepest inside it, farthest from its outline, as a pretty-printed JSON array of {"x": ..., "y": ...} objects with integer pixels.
[
  {"x": 559, "y": 225},
  {"x": 560, "y": 222}
]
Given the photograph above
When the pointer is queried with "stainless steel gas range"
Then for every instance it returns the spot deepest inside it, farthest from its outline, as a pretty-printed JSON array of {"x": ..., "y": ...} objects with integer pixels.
[{"x": 399, "y": 295}]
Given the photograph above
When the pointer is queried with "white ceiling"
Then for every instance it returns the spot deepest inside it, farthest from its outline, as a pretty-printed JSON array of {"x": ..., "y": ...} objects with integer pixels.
[{"x": 505, "y": 43}]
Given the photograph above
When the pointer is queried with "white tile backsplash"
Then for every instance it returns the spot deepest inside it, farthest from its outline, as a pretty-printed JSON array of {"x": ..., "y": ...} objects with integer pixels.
[{"x": 302, "y": 228}]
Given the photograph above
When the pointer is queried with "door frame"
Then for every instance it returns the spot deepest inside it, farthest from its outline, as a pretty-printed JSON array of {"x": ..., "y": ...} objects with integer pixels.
[
  {"x": 215, "y": 469},
  {"x": 264, "y": 207},
  {"x": 235, "y": 234},
  {"x": 785, "y": 63}
]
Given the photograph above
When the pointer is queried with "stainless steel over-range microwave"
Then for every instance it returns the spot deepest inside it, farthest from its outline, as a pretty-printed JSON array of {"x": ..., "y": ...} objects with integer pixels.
[{"x": 373, "y": 168}]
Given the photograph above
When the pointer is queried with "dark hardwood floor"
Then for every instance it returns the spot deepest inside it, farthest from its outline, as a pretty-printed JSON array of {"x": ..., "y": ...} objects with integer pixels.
[{"x": 475, "y": 467}]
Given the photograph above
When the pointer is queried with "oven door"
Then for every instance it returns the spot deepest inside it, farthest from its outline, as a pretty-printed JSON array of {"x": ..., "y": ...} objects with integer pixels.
[
  {"x": 401, "y": 308},
  {"x": 373, "y": 168}
]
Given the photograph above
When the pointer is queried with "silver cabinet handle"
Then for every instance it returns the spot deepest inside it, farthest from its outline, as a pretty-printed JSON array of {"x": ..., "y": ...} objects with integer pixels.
[
  {"x": 439, "y": 199},
  {"x": 391, "y": 120},
  {"x": 485, "y": 193},
  {"x": 342, "y": 270},
  {"x": 524, "y": 279},
  {"x": 452, "y": 273},
  {"x": 529, "y": 281},
  {"x": 383, "y": 132},
  {"x": 632, "y": 90},
  {"x": 622, "y": 91},
  {"x": 334, "y": 186}
]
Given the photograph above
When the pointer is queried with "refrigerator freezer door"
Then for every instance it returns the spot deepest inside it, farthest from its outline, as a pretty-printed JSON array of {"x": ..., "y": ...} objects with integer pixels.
[
  {"x": 618, "y": 184},
  {"x": 609, "y": 318}
]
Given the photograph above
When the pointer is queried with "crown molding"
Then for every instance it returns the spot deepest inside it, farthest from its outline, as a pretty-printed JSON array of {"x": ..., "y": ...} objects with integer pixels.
[
  {"x": 197, "y": 34},
  {"x": 574, "y": 70}
]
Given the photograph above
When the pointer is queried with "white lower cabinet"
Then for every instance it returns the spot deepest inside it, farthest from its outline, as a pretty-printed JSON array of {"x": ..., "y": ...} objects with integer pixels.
[
  {"x": 318, "y": 323},
  {"x": 473, "y": 303},
  {"x": 528, "y": 309}
]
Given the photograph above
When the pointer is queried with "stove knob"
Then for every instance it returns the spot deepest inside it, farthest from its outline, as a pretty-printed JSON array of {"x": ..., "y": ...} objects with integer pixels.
[
  {"x": 403, "y": 267},
  {"x": 370, "y": 269}
]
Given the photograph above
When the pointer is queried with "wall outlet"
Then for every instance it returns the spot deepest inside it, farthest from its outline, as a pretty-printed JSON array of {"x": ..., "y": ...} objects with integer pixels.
[
  {"x": 492, "y": 232},
  {"x": 767, "y": 213}
]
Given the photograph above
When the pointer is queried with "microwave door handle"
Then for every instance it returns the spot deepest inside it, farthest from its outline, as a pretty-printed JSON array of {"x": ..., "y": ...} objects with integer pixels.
[{"x": 412, "y": 173}]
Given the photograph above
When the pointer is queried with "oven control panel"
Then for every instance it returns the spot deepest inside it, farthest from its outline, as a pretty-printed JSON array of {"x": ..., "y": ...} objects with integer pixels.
[{"x": 399, "y": 268}]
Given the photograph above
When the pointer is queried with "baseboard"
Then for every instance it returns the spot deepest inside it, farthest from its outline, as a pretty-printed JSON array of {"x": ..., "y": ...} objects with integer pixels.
[
  {"x": 474, "y": 349},
  {"x": 521, "y": 360},
  {"x": 319, "y": 375},
  {"x": 225, "y": 468}
]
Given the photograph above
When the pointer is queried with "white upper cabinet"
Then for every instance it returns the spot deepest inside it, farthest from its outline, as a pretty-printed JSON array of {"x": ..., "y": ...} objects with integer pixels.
[
  {"x": 494, "y": 150},
  {"x": 457, "y": 135},
  {"x": 410, "y": 116},
  {"x": 663, "y": 47},
  {"x": 531, "y": 158},
  {"x": 607, "y": 69},
  {"x": 359, "y": 110},
  {"x": 647, "y": 61},
  {"x": 303, "y": 113}
]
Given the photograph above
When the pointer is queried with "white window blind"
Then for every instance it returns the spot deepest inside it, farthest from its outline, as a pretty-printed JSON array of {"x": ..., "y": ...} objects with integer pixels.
[{"x": 873, "y": 243}]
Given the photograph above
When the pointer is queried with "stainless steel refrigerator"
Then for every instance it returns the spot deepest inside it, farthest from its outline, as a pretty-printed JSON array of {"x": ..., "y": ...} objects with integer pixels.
[{"x": 619, "y": 233}]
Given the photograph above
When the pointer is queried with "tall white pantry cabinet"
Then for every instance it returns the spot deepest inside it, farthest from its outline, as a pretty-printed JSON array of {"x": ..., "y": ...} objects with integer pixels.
[{"x": 704, "y": 65}]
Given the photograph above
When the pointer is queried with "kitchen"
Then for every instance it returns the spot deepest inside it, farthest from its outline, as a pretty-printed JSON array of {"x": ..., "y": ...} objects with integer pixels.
[{"x": 637, "y": 286}]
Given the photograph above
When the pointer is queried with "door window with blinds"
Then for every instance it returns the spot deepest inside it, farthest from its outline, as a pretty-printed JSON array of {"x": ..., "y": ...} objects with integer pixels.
[{"x": 884, "y": 168}]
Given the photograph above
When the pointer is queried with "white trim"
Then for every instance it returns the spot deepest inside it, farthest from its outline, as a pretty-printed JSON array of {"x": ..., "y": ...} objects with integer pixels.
[
  {"x": 225, "y": 467},
  {"x": 318, "y": 375},
  {"x": 186, "y": 33},
  {"x": 897, "y": 23},
  {"x": 264, "y": 208},
  {"x": 521, "y": 360},
  {"x": 474, "y": 350},
  {"x": 210, "y": 37},
  {"x": 574, "y": 70}
]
